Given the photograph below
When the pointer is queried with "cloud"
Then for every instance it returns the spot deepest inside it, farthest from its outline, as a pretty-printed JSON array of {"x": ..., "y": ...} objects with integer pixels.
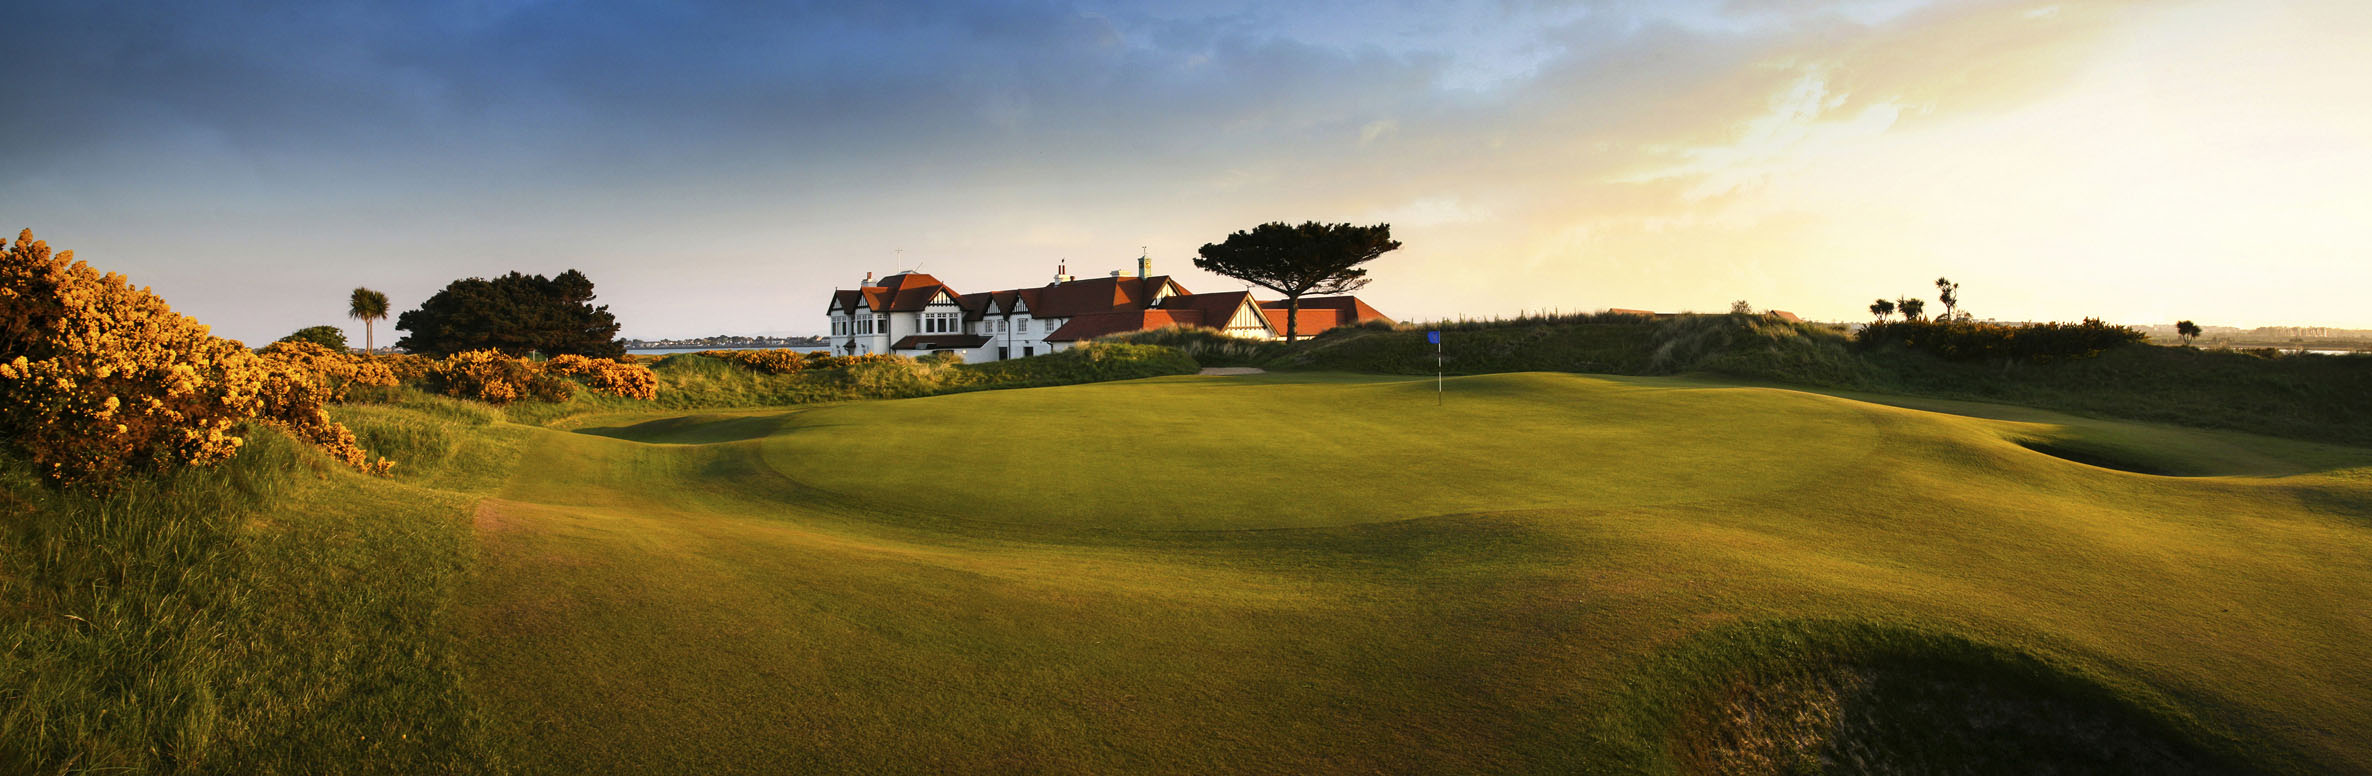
[{"x": 658, "y": 145}]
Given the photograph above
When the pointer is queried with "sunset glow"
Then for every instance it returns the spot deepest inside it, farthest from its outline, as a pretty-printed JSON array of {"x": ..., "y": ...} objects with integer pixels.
[{"x": 718, "y": 173}]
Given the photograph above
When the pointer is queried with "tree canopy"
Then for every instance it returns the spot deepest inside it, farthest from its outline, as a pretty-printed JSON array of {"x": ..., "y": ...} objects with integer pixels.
[
  {"x": 330, "y": 337},
  {"x": 516, "y": 314},
  {"x": 1299, "y": 260},
  {"x": 367, "y": 306},
  {"x": 1910, "y": 307},
  {"x": 1947, "y": 294}
]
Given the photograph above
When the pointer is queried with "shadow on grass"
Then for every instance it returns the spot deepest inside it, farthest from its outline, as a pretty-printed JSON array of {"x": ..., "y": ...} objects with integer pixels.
[
  {"x": 1853, "y": 697},
  {"x": 696, "y": 429},
  {"x": 2104, "y": 459}
]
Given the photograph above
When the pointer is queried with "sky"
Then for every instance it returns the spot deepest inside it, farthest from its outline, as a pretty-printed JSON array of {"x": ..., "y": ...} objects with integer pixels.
[{"x": 720, "y": 167}]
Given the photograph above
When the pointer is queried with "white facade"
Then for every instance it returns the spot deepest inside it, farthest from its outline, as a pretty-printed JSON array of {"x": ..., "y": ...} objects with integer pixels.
[{"x": 911, "y": 314}]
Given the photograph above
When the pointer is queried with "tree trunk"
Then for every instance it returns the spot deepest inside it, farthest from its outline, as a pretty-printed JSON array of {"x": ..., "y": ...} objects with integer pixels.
[
  {"x": 1292, "y": 317},
  {"x": 367, "y": 345}
]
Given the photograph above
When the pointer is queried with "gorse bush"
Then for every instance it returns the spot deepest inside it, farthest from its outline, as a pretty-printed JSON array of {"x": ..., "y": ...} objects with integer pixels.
[
  {"x": 338, "y": 371},
  {"x": 407, "y": 367},
  {"x": 773, "y": 362},
  {"x": 1973, "y": 341},
  {"x": 98, "y": 377},
  {"x": 783, "y": 362},
  {"x": 494, "y": 378},
  {"x": 626, "y": 381}
]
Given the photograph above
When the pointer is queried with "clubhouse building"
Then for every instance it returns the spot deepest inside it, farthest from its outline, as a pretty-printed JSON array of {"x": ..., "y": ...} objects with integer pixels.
[{"x": 913, "y": 314}]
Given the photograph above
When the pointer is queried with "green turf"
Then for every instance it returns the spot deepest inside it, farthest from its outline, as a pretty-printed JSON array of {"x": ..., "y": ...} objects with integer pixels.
[{"x": 1325, "y": 573}]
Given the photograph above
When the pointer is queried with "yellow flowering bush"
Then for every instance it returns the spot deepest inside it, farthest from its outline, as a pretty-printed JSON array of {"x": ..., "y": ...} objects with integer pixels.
[
  {"x": 773, "y": 362},
  {"x": 98, "y": 377},
  {"x": 406, "y": 367},
  {"x": 606, "y": 376},
  {"x": 338, "y": 371},
  {"x": 492, "y": 377}
]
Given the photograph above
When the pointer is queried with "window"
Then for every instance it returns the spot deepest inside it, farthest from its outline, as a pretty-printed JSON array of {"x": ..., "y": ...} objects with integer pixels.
[
  {"x": 1004, "y": 353},
  {"x": 1027, "y": 351}
]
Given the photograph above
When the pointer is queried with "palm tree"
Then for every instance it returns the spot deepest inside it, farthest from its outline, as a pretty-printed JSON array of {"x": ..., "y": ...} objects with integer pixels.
[{"x": 368, "y": 306}]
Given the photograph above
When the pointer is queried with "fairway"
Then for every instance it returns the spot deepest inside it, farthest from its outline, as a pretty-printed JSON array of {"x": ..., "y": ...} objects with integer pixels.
[{"x": 1327, "y": 573}]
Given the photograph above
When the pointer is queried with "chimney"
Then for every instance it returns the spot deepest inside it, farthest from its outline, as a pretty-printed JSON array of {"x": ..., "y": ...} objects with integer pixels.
[
  {"x": 1145, "y": 264},
  {"x": 1062, "y": 273},
  {"x": 868, "y": 280}
]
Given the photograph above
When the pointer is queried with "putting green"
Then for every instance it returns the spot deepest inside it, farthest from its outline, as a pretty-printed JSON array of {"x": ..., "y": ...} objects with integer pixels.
[{"x": 1335, "y": 574}]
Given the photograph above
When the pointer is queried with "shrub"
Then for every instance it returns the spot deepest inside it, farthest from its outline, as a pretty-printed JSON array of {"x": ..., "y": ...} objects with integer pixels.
[
  {"x": 330, "y": 337},
  {"x": 406, "y": 367},
  {"x": 1212, "y": 347},
  {"x": 338, "y": 371},
  {"x": 1970, "y": 340},
  {"x": 773, "y": 362},
  {"x": 101, "y": 377},
  {"x": 606, "y": 376},
  {"x": 494, "y": 378}
]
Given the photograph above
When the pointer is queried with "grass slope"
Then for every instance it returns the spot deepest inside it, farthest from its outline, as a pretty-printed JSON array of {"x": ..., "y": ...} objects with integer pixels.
[
  {"x": 1321, "y": 573},
  {"x": 277, "y": 614}
]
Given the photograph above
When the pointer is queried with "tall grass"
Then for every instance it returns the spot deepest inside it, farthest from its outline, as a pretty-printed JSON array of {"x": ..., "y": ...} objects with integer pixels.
[
  {"x": 1208, "y": 347},
  {"x": 272, "y": 614}
]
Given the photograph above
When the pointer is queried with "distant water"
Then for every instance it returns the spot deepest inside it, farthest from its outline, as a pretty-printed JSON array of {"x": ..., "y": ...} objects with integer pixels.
[{"x": 667, "y": 351}]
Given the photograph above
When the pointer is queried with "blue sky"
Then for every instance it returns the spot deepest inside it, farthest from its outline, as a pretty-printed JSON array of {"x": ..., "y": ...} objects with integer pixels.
[{"x": 719, "y": 167}]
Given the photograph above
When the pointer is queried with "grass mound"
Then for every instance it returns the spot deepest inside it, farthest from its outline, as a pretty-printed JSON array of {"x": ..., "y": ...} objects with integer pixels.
[{"x": 1851, "y": 697}]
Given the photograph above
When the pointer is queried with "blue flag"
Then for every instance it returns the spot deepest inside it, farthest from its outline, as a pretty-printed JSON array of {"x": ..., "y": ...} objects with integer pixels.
[{"x": 1432, "y": 338}]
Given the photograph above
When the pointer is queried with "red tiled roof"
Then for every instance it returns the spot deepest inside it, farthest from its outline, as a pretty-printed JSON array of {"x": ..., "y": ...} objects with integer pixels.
[
  {"x": 1217, "y": 309},
  {"x": 1348, "y": 309},
  {"x": 1092, "y": 325},
  {"x": 908, "y": 292},
  {"x": 1786, "y": 316},
  {"x": 1096, "y": 295},
  {"x": 1311, "y": 321}
]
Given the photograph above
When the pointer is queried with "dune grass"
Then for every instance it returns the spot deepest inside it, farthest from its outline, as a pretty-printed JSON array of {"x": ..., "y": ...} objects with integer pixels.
[
  {"x": 277, "y": 614},
  {"x": 1327, "y": 573}
]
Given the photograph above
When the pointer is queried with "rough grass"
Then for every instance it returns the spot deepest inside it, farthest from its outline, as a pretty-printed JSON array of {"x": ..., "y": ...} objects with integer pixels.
[{"x": 277, "y": 614}]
